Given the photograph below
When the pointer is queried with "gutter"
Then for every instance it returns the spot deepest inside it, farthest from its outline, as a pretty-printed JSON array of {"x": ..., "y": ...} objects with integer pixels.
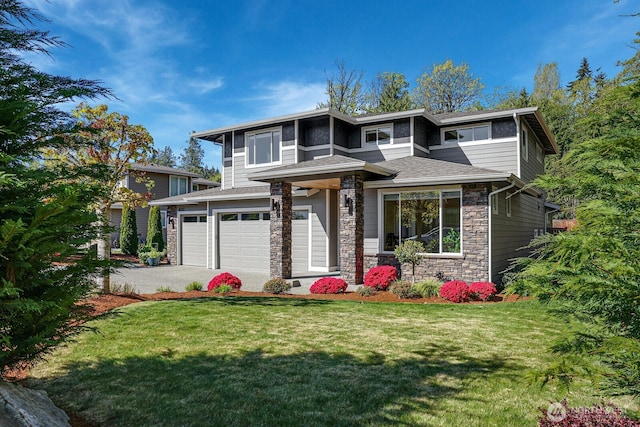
[{"x": 503, "y": 189}]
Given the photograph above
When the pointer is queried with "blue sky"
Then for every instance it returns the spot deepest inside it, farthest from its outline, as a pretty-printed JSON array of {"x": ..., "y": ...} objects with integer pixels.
[{"x": 182, "y": 66}]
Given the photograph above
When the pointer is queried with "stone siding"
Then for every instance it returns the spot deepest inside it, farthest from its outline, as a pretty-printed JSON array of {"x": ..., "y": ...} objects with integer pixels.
[
  {"x": 280, "y": 226},
  {"x": 172, "y": 235},
  {"x": 351, "y": 219}
]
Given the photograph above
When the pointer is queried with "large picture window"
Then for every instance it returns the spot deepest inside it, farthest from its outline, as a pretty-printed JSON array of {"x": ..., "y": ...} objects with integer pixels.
[
  {"x": 263, "y": 147},
  {"x": 431, "y": 217}
]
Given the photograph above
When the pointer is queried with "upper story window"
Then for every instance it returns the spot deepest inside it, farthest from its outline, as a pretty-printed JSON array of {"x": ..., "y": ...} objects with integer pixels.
[
  {"x": 263, "y": 147},
  {"x": 379, "y": 135},
  {"x": 466, "y": 134},
  {"x": 178, "y": 185}
]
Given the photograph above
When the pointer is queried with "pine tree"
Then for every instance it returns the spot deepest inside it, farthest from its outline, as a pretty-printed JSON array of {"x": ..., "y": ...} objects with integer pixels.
[
  {"x": 128, "y": 231},
  {"x": 154, "y": 228}
]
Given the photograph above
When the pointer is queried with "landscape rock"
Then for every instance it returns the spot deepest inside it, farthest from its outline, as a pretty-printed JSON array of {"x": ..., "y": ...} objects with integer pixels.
[{"x": 24, "y": 407}]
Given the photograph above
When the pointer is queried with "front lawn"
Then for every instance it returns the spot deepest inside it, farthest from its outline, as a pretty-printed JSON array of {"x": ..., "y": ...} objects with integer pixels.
[{"x": 268, "y": 361}]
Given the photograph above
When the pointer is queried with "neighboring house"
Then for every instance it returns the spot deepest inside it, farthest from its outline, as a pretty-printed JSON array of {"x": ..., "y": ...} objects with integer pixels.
[
  {"x": 320, "y": 191},
  {"x": 167, "y": 182}
]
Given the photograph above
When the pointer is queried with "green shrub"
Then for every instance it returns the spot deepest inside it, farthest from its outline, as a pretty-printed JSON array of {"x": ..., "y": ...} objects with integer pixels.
[
  {"x": 124, "y": 288},
  {"x": 366, "y": 291},
  {"x": 428, "y": 287},
  {"x": 410, "y": 251},
  {"x": 223, "y": 289},
  {"x": 194, "y": 286},
  {"x": 277, "y": 285},
  {"x": 164, "y": 289},
  {"x": 403, "y": 289},
  {"x": 128, "y": 231},
  {"x": 154, "y": 229}
]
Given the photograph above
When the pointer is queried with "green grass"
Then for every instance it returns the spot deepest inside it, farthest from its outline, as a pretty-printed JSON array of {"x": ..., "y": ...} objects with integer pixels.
[{"x": 268, "y": 361}]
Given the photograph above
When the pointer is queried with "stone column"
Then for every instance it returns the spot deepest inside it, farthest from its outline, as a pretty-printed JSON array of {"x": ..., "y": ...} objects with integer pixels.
[
  {"x": 352, "y": 229},
  {"x": 172, "y": 234},
  {"x": 280, "y": 218},
  {"x": 475, "y": 232}
]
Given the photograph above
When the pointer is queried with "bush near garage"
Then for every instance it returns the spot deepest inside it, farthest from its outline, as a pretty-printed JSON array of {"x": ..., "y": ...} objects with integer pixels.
[
  {"x": 482, "y": 291},
  {"x": 224, "y": 279},
  {"x": 455, "y": 291}
]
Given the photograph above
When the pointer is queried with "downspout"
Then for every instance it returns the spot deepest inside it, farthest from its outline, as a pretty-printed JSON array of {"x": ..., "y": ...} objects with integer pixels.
[
  {"x": 518, "y": 144},
  {"x": 546, "y": 218},
  {"x": 493, "y": 193}
]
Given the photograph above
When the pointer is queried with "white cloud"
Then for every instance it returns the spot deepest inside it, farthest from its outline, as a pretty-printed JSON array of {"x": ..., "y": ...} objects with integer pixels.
[
  {"x": 206, "y": 85},
  {"x": 288, "y": 97}
]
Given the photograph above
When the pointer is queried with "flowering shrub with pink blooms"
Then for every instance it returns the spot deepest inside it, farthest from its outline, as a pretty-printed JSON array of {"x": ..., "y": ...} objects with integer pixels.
[
  {"x": 482, "y": 290},
  {"x": 328, "y": 285},
  {"x": 381, "y": 277},
  {"x": 224, "y": 279},
  {"x": 455, "y": 291}
]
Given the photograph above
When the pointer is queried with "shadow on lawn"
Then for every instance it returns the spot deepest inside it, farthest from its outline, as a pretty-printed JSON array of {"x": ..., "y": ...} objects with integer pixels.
[{"x": 312, "y": 388}]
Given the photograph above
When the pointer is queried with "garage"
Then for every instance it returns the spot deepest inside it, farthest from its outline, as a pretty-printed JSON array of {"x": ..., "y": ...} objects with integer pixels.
[
  {"x": 243, "y": 241},
  {"x": 194, "y": 240}
]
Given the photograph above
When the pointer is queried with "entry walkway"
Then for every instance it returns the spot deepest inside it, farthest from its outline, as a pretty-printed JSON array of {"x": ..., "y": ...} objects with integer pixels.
[{"x": 147, "y": 280}]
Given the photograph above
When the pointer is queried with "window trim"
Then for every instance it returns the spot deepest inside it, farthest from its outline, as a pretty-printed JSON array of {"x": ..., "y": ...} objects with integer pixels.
[
  {"x": 458, "y": 128},
  {"x": 439, "y": 190},
  {"x": 247, "y": 135},
  {"x": 363, "y": 135},
  {"x": 495, "y": 200},
  {"x": 508, "y": 205},
  {"x": 524, "y": 144},
  {"x": 171, "y": 185}
]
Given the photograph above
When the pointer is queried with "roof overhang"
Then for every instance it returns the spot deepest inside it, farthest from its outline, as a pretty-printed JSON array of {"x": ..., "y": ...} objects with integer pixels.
[
  {"x": 441, "y": 180},
  {"x": 319, "y": 172}
]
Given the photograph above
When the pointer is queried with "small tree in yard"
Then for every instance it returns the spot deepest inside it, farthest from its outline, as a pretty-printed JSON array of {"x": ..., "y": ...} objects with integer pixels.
[
  {"x": 154, "y": 228},
  {"x": 410, "y": 251},
  {"x": 128, "y": 231}
]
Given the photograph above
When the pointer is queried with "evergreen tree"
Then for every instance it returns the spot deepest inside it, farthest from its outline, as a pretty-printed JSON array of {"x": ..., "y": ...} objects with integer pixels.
[
  {"x": 45, "y": 212},
  {"x": 592, "y": 272},
  {"x": 154, "y": 228},
  {"x": 164, "y": 157},
  {"x": 388, "y": 93},
  {"x": 128, "y": 231},
  {"x": 192, "y": 157}
]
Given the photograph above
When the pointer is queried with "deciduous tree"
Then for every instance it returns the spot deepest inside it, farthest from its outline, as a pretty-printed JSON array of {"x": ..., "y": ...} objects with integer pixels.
[
  {"x": 107, "y": 141},
  {"x": 446, "y": 88},
  {"x": 387, "y": 93},
  {"x": 345, "y": 90}
]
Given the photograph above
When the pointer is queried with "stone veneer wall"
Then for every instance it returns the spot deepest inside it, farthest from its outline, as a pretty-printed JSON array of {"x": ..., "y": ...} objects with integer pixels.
[
  {"x": 351, "y": 220},
  {"x": 172, "y": 235},
  {"x": 474, "y": 263},
  {"x": 280, "y": 227}
]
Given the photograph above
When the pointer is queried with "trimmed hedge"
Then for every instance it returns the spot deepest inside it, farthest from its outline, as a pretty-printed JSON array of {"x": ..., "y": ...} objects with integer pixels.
[
  {"x": 224, "y": 279},
  {"x": 381, "y": 277}
]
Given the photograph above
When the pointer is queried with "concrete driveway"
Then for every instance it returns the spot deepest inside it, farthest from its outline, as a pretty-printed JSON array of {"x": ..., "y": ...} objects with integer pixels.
[{"x": 147, "y": 280}]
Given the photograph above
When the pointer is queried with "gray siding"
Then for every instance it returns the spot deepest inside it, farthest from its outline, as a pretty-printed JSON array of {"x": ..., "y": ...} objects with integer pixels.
[
  {"x": 312, "y": 154},
  {"x": 500, "y": 156},
  {"x": 333, "y": 229},
  {"x": 532, "y": 167},
  {"x": 370, "y": 213},
  {"x": 509, "y": 235},
  {"x": 314, "y": 132},
  {"x": 241, "y": 172},
  {"x": 377, "y": 155}
]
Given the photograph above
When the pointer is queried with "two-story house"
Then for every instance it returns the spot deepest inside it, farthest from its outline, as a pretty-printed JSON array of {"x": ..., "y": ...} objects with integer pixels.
[
  {"x": 167, "y": 182},
  {"x": 320, "y": 191}
]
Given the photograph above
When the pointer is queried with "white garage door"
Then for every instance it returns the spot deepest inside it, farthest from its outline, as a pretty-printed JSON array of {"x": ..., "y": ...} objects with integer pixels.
[
  {"x": 194, "y": 240},
  {"x": 244, "y": 241}
]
